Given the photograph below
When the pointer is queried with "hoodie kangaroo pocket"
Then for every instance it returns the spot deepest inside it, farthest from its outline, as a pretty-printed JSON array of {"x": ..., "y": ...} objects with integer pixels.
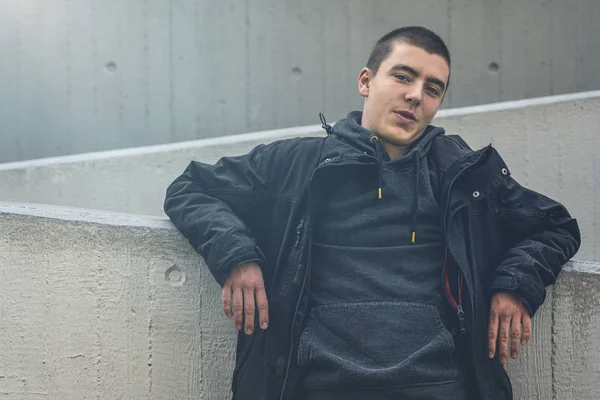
[{"x": 376, "y": 344}]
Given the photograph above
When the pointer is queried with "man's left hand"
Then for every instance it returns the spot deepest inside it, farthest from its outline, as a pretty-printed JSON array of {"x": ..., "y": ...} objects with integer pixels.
[{"x": 507, "y": 315}]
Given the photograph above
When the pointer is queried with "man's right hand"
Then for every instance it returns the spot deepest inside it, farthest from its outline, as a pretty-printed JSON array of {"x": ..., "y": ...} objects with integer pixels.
[{"x": 245, "y": 290}]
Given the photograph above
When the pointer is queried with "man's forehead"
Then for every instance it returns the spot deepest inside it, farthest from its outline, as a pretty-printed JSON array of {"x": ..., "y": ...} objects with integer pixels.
[{"x": 417, "y": 59}]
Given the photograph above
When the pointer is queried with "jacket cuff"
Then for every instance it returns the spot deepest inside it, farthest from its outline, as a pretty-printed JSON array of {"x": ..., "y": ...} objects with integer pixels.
[
  {"x": 521, "y": 299},
  {"x": 244, "y": 256},
  {"x": 529, "y": 297}
]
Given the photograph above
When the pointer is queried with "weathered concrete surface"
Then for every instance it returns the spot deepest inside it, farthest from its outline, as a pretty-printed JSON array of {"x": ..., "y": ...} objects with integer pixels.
[
  {"x": 576, "y": 350},
  {"x": 91, "y": 75},
  {"x": 115, "y": 306},
  {"x": 550, "y": 144},
  {"x": 99, "y": 306},
  {"x": 532, "y": 374}
]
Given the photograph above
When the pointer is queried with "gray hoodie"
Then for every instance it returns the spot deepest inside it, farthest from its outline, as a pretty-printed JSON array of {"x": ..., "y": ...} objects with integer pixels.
[{"x": 377, "y": 315}]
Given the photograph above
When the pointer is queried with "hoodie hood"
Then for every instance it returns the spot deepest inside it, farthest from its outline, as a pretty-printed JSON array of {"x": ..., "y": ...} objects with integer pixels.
[{"x": 349, "y": 131}]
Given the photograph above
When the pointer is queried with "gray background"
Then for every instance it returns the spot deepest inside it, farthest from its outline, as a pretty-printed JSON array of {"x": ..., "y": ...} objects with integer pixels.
[{"x": 88, "y": 75}]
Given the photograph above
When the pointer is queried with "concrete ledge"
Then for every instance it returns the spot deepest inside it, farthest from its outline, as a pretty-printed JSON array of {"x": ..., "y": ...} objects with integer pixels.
[{"x": 104, "y": 305}]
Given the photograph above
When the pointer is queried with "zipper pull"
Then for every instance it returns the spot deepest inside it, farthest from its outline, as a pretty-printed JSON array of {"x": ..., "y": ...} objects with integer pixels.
[
  {"x": 461, "y": 320},
  {"x": 298, "y": 232}
]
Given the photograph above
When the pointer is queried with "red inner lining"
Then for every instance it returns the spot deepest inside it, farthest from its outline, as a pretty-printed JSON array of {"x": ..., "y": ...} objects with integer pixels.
[{"x": 455, "y": 304}]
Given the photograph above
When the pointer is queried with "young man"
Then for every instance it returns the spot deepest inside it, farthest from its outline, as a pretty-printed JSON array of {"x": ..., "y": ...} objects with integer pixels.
[{"x": 384, "y": 261}]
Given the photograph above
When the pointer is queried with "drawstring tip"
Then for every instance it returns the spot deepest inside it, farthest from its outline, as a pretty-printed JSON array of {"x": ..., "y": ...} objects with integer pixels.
[
  {"x": 413, "y": 237},
  {"x": 379, "y": 193},
  {"x": 324, "y": 124}
]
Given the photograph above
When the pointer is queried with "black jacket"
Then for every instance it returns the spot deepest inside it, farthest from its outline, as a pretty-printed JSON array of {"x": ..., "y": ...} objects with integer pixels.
[{"x": 500, "y": 237}]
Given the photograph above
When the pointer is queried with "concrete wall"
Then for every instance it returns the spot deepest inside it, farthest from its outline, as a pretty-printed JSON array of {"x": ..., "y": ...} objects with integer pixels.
[
  {"x": 550, "y": 144},
  {"x": 90, "y": 75},
  {"x": 113, "y": 306},
  {"x": 99, "y": 306}
]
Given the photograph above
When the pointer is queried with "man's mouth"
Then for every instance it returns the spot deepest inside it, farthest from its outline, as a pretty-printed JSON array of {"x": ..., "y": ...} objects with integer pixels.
[{"x": 406, "y": 115}]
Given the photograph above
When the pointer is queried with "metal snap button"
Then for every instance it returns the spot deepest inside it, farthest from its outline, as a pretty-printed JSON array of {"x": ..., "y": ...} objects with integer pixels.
[
  {"x": 476, "y": 194},
  {"x": 504, "y": 171}
]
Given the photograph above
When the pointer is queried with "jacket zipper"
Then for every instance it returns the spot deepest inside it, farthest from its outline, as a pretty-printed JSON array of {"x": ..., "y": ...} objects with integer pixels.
[
  {"x": 299, "y": 232},
  {"x": 291, "y": 352},
  {"x": 457, "y": 305}
]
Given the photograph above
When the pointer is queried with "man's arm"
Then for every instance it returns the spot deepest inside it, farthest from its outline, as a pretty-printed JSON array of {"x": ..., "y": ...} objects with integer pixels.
[
  {"x": 209, "y": 204},
  {"x": 541, "y": 237}
]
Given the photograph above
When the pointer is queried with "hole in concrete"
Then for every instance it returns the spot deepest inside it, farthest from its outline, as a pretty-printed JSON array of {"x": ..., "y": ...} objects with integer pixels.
[
  {"x": 493, "y": 67},
  {"x": 297, "y": 71},
  {"x": 175, "y": 276},
  {"x": 111, "y": 67}
]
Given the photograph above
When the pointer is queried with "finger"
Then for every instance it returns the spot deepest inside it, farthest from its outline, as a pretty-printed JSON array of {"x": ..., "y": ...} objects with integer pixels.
[
  {"x": 263, "y": 307},
  {"x": 238, "y": 307},
  {"x": 492, "y": 333},
  {"x": 527, "y": 328},
  {"x": 515, "y": 337},
  {"x": 249, "y": 310},
  {"x": 504, "y": 338},
  {"x": 226, "y": 300}
]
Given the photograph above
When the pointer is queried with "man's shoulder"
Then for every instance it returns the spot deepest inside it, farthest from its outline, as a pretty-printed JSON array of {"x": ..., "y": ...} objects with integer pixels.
[
  {"x": 303, "y": 143},
  {"x": 299, "y": 148},
  {"x": 454, "y": 143},
  {"x": 285, "y": 156},
  {"x": 447, "y": 149}
]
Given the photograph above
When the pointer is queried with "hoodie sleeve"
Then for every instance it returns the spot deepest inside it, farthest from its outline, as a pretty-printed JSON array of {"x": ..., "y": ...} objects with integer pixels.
[
  {"x": 542, "y": 237},
  {"x": 213, "y": 205}
]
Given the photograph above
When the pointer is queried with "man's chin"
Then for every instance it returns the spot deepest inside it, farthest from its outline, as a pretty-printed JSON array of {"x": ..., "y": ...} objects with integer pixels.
[{"x": 401, "y": 138}]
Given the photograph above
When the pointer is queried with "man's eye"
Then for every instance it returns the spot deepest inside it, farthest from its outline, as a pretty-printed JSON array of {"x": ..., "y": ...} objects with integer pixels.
[
  {"x": 402, "y": 78},
  {"x": 433, "y": 91}
]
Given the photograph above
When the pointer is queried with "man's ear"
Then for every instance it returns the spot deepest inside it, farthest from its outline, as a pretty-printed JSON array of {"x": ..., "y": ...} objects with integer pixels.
[{"x": 364, "y": 81}]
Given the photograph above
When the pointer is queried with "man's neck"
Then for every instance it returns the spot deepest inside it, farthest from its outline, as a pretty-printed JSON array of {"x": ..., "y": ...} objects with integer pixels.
[{"x": 395, "y": 152}]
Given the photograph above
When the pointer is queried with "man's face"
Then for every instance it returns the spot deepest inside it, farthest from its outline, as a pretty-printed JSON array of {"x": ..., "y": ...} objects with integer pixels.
[{"x": 404, "y": 95}]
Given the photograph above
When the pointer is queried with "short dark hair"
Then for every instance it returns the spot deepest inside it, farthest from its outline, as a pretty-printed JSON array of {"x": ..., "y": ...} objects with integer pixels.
[{"x": 414, "y": 35}]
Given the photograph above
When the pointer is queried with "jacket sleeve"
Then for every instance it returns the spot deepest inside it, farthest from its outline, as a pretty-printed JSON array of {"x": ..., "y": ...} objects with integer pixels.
[
  {"x": 540, "y": 236},
  {"x": 212, "y": 204}
]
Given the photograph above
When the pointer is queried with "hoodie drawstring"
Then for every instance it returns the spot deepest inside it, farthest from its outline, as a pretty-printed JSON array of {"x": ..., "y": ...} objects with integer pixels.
[
  {"x": 415, "y": 151},
  {"x": 416, "y": 196},
  {"x": 375, "y": 139}
]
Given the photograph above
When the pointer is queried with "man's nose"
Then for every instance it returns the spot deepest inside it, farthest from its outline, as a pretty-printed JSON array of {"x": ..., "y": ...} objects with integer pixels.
[{"x": 414, "y": 94}]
